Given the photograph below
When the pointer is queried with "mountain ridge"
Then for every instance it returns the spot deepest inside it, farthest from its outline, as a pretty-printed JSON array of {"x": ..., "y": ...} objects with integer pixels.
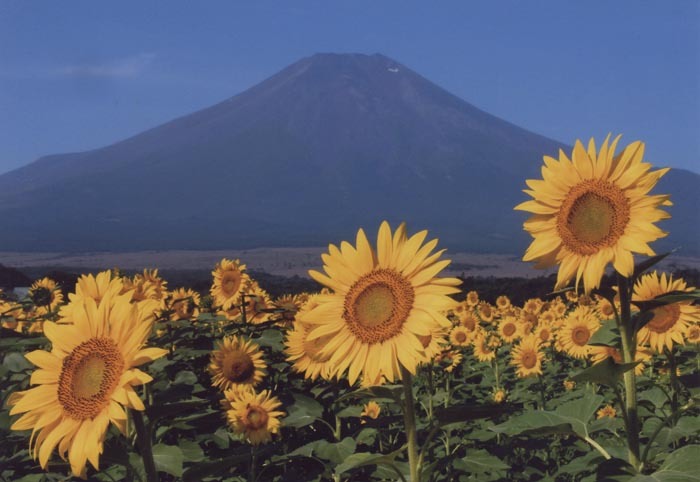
[{"x": 330, "y": 143}]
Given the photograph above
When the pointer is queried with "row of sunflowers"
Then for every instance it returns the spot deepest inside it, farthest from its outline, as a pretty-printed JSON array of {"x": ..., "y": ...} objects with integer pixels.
[{"x": 389, "y": 372}]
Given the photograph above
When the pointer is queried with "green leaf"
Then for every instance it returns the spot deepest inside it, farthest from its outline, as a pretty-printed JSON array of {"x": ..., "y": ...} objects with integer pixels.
[
  {"x": 481, "y": 462},
  {"x": 15, "y": 362},
  {"x": 333, "y": 452},
  {"x": 271, "y": 338},
  {"x": 216, "y": 467},
  {"x": 470, "y": 411},
  {"x": 606, "y": 372},
  {"x": 392, "y": 393},
  {"x": 667, "y": 299},
  {"x": 683, "y": 465},
  {"x": 168, "y": 459},
  {"x": 156, "y": 412},
  {"x": 303, "y": 412},
  {"x": 650, "y": 262},
  {"x": 191, "y": 451},
  {"x": 606, "y": 335},
  {"x": 363, "y": 459},
  {"x": 569, "y": 418},
  {"x": 185, "y": 377}
]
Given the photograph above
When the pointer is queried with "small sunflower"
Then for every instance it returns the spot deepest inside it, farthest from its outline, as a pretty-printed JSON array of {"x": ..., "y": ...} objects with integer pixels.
[
  {"x": 371, "y": 410},
  {"x": 486, "y": 312},
  {"x": 670, "y": 322},
  {"x": 381, "y": 302},
  {"x": 533, "y": 305},
  {"x": 692, "y": 335},
  {"x": 569, "y": 385},
  {"x": 607, "y": 411},
  {"x": 450, "y": 359},
  {"x": 509, "y": 329},
  {"x": 95, "y": 287},
  {"x": 593, "y": 210},
  {"x": 46, "y": 293},
  {"x": 257, "y": 304},
  {"x": 255, "y": 416},
  {"x": 459, "y": 336},
  {"x": 578, "y": 328},
  {"x": 86, "y": 380},
  {"x": 236, "y": 361},
  {"x": 499, "y": 395},
  {"x": 503, "y": 302},
  {"x": 482, "y": 348},
  {"x": 434, "y": 343},
  {"x": 544, "y": 334},
  {"x": 229, "y": 278},
  {"x": 472, "y": 299},
  {"x": 183, "y": 304},
  {"x": 527, "y": 358},
  {"x": 601, "y": 353}
]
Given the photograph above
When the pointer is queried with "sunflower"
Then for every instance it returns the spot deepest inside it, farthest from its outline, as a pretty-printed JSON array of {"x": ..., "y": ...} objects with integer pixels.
[
  {"x": 509, "y": 329},
  {"x": 86, "y": 380},
  {"x": 236, "y": 361},
  {"x": 486, "y": 312},
  {"x": 527, "y": 358},
  {"x": 482, "y": 348},
  {"x": 601, "y": 353},
  {"x": 605, "y": 309},
  {"x": 381, "y": 301},
  {"x": 607, "y": 411},
  {"x": 257, "y": 303},
  {"x": 459, "y": 336},
  {"x": 533, "y": 305},
  {"x": 692, "y": 335},
  {"x": 183, "y": 304},
  {"x": 46, "y": 293},
  {"x": 503, "y": 302},
  {"x": 472, "y": 298},
  {"x": 290, "y": 304},
  {"x": 544, "y": 334},
  {"x": 450, "y": 359},
  {"x": 253, "y": 415},
  {"x": 593, "y": 210},
  {"x": 578, "y": 328},
  {"x": 569, "y": 385},
  {"x": 305, "y": 355},
  {"x": 371, "y": 410},
  {"x": 105, "y": 284},
  {"x": 671, "y": 321},
  {"x": 499, "y": 395},
  {"x": 229, "y": 278},
  {"x": 433, "y": 343},
  {"x": 470, "y": 322}
]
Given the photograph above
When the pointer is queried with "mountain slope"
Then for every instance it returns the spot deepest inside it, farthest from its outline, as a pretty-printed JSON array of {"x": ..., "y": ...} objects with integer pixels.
[{"x": 330, "y": 143}]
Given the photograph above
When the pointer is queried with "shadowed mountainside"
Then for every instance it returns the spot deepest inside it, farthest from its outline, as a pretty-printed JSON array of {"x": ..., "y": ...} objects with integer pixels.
[{"x": 330, "y": 143}]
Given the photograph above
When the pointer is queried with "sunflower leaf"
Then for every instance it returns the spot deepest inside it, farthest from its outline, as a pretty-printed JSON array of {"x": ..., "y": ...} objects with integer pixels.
[
  {"x": 469, "y": 411},
  {"x": 667, "y": 299},
  {"x": 606, "y": 335},
  {"x": 156, "y": 412},
  {"x": 168, "y": 459},
  {"x": 606, "y": 372},
  {"x": 650, "y": 262},
  {"x": 362, "y": 459}
]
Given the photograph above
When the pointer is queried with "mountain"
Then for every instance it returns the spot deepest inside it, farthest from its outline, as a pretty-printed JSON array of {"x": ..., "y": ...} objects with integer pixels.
[{"x": 330, "y": 143}]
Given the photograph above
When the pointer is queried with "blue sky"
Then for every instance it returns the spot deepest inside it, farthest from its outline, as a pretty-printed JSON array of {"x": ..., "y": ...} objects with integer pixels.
[{"x": 83, "y": 74}]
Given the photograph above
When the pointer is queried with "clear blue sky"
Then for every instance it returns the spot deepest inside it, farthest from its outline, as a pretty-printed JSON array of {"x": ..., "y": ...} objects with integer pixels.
[{"x": 78, "y": 75}]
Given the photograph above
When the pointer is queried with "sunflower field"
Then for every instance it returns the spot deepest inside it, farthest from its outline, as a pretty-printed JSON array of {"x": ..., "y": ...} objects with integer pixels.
[{"x": 390, "y": 371}]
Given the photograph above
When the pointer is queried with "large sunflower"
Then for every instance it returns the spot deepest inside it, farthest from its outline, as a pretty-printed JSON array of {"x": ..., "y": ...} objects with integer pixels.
[
  {"x": 382, "y": 301},
  {"x": 229, "y": 278},
  {"x": 593, "y": 210},
  {"x": 236, "y": 361},
  {"x": 86, "y": 380},
  {"x": 670, "y": 322}
]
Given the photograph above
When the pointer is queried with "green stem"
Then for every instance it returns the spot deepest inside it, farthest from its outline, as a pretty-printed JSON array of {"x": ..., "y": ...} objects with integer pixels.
[
  {"x": 409, "y": 416},
  {"x": 673, "y": 378},
  {"x": 542, "y": 397},
  {"x": 253, "y": 463},
  {"x": 628, "y": 346},
  {"x": 431, "y": 391},
  {"x": 597, "y": 446},
  {"x": 143, "y": 436}
]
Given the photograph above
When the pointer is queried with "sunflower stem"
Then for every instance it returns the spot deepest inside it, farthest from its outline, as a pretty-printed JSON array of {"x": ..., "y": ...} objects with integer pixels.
[
  {"x": 253, "y": 463},
  {"x": 673, "y": 379},
  {"x": 628, "y": 345},
  {"x": 143, "y": 437},
  {"x": 409, "y": 415},
  {"x": 542, "y": 397}
]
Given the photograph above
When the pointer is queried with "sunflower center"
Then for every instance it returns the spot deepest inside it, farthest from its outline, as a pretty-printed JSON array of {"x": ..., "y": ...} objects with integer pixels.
[
  {"x": 664, "y": 318},
  {"x": 580, "y": 335},
  {"x": 469, "y": 323},
  {"x": 42, "y": 296},
  {"x": 461, "y": 337},
  {"x": 508, "y": 329},
  {"x": 377, "y": 305},
  {"x": 255, "y": 418},
  {"x": 238, "y": 366},
  {"x": 544, "y": 335},
  {"x": 89, "y": 376},
  {"x": 528, "y": 359},
  {"x": 593, "y": 215},
  {"x": 230, "y": 282}
]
